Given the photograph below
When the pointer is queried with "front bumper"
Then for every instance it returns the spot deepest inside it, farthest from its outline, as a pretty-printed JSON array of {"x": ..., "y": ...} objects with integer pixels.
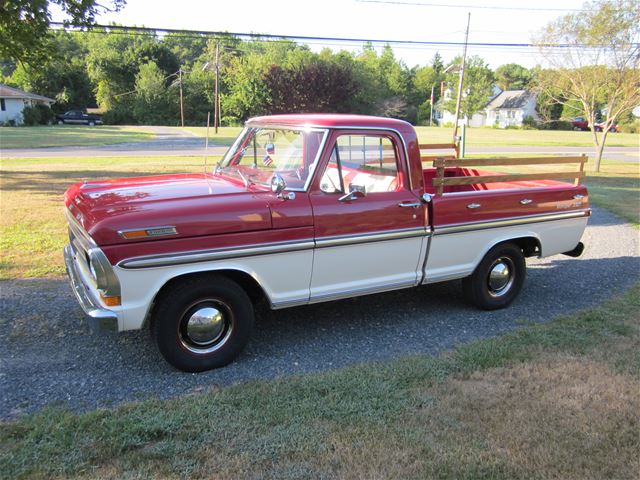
[{"x": 98, "y": 317}]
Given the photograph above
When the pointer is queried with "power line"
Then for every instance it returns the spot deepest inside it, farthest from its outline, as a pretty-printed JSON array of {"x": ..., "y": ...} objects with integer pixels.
[
  {"x": 304, "y": 38},
  {"x": 484, "y": 7}
]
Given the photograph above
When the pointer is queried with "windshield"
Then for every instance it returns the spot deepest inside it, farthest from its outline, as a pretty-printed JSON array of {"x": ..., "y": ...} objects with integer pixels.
[{"x": 260, "y": 152}]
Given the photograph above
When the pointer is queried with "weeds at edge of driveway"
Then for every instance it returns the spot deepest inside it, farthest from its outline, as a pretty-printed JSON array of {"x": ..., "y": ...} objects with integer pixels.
[{"x": 547, "y": 400}]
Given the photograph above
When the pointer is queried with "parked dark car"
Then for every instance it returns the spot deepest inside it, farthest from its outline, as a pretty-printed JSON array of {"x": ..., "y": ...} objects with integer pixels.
[{"x": 77, "y": 117}]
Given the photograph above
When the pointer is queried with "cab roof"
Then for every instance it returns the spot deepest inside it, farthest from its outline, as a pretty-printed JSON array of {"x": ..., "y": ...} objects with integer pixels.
[{"x": 329, "y": 120}]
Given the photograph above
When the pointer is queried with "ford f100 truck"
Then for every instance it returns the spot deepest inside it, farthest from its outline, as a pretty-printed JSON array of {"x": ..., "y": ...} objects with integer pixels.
[{"x": 305, "y": 209}]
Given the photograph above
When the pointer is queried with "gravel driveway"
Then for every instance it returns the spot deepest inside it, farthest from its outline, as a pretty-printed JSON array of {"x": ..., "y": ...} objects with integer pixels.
[{"x": 47, "y": 354}]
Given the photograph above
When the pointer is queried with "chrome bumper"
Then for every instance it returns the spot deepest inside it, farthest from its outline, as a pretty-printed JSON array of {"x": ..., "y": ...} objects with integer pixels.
[{"x": 99, "y": 318}]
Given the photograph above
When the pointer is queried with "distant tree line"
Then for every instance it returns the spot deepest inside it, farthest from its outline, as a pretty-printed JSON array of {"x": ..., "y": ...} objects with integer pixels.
[{"x": 136, "y": 78}]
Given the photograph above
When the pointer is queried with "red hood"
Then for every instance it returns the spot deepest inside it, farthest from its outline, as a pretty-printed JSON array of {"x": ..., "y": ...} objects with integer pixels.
[{"x": 195, "y": 204}]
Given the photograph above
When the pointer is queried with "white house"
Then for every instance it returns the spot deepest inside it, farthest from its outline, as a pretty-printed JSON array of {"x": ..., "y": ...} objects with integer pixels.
[
  {"x": 508, "y": 108},
  {"x": 13, "y": 101}
]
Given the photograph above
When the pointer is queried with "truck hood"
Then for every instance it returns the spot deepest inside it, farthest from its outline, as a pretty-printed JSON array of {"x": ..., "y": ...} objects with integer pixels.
[{"x": 194, "y": 204}]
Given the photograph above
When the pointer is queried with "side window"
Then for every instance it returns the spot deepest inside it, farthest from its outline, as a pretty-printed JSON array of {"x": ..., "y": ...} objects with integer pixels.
[{"x": 366, "y": 161}]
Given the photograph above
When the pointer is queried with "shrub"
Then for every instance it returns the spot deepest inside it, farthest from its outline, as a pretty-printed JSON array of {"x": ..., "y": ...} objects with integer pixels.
[
  {"x": 529, "y": 123},
  {"x": 633, "y": 127},
  {"x": 119, "y": 115},
  {"x": 31, "y": 116},
  {"x": 37, "y": 115}
]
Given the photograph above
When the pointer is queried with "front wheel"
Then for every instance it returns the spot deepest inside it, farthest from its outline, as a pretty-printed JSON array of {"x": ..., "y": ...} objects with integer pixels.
[
  {"x": 498, "y": 279},
  {"x": 202, "y": 323}
]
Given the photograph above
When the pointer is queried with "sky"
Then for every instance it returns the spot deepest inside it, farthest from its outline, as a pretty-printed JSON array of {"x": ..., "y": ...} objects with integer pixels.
[{"x": 492, "y": 21}]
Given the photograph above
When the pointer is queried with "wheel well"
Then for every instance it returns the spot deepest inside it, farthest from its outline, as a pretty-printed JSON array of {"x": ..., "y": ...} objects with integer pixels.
[
  {"x": 243, "y": 279},
  {"x": 530, "y": 246}
]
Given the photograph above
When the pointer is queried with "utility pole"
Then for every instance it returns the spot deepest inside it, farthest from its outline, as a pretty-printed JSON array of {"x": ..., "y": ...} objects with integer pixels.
[
  {"x": 216, "y": 115},
  {"x": 464, "y": 57},
  {"x": 181, "y": 101},
  {"x": 431, "y": 115}
]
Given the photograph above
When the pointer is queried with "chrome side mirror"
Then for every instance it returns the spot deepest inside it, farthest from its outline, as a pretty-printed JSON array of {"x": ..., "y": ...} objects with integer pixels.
[
  {"x": 355, "y": 192},
  {"x": 278, "y": 185}
]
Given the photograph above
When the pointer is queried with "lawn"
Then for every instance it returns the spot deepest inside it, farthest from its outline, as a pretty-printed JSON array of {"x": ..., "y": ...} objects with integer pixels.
[
  {"x": 554, "y": 400},
  {"x": 32, "y": 226},
  {"x": 70, "y": 135},
  {"x": 225, "y": 135},
  {"x": 508, "y": 137},
  {"x": 33, "y": 231}
]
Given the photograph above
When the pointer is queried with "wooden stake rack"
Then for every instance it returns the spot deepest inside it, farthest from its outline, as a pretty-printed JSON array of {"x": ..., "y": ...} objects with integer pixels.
[{"x": 442, "y": 162}]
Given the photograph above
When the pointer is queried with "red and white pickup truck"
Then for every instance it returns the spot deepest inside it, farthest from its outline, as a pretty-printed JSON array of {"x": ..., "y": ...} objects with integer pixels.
[{"x": 305, "y": 209}]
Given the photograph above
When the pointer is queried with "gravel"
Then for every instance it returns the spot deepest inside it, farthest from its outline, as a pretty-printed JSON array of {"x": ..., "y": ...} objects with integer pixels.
[{"x": 48, "y": 355}]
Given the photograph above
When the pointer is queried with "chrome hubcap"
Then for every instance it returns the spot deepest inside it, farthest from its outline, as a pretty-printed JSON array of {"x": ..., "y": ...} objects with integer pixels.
[
  {"x": 205, "y": 327},
  {"x": 501, "y": 275}
]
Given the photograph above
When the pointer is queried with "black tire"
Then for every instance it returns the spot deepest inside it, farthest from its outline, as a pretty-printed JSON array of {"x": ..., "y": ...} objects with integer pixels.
[
  {"x": 491, "y": 292},
  {"x": 212, "y": 339}
]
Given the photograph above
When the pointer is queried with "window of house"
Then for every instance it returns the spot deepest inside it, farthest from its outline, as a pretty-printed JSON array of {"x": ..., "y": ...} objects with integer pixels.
[
  {"x": 3, "y": 106},
  {"x": 364, "y": 160}
]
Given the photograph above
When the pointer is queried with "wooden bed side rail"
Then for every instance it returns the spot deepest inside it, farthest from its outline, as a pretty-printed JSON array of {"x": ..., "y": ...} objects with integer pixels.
[
  {"x": 440, "y": 181},
  {"x": 437, "y": 146}
]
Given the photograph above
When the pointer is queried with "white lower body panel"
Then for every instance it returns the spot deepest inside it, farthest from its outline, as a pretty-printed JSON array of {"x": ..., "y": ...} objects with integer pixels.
[{"x": 456, "y": 255}]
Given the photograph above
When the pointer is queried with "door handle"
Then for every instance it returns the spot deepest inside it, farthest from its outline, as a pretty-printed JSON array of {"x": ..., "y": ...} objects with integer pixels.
[
  {"x": 526, "y": 201},
  {"x": 474, "y": 205},
  {"x": 409, "y": 205}
]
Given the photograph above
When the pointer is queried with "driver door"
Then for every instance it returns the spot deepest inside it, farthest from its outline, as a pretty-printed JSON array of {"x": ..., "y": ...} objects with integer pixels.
[{"x": 372, "y": 239}]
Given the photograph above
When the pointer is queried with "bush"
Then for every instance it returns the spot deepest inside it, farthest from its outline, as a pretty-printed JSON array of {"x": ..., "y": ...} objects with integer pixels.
[
  {"x": 31, "y": 116},
  {"x": 37, "y": 115},
  {"x": 633, "y": 127},
  {"x": 529, "y": 123},
  {"x": 119, "y": 115}
]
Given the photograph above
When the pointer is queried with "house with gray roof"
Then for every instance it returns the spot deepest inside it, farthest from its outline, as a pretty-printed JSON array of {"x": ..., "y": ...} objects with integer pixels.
[
  {"x": 504, "y": 109},
  {"x": 510, "y": 108},
  {"x": 13, "y": 100}
]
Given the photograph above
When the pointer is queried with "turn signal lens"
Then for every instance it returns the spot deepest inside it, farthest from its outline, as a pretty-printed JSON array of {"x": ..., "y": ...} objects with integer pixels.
[
  {"x": 111, "y": 301},
  {"x": 135, "y": 234}
]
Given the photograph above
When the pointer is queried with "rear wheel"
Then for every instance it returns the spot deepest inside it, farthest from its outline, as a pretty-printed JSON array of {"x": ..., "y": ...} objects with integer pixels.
[
  {"x": 498, "y": 279},
  {"x": 60, "y": 122},
  {"x": 92, "y": 123},
  {"x": 202, "y": 323}
]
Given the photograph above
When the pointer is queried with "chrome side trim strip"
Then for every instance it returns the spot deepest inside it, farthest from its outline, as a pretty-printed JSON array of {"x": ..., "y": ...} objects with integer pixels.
[
  {"x": 507, "y": 222},
  {"x": 340, "y": 240},
  {"x": 361, "y": 291},
  {"x": 345, "y": 294},
  {"x": 215, "y": 254},
  {"x": 227, "y": 253}
]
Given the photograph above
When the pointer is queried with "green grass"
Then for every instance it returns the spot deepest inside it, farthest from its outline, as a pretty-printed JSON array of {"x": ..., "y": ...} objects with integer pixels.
[
  {"x": 225, "y": 135},
  {"x": 504, "y": 137},
  {"x": 70, "y": 135},
  {"x": 33, "y": 230},
  {"x": 32, "y": 226},
  {"x": 555, "y": 400}
]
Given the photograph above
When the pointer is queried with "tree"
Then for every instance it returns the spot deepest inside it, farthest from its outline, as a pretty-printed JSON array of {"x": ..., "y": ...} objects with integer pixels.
[
  {"x": 318, "y": 86},
  {"x": 477, "y": 88},
  {"x": 513, "y": 77},
  {"x": 151, "y": 104},
  {"x": 24, "y": 25},
  {"x": 598, "y": 68}
]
